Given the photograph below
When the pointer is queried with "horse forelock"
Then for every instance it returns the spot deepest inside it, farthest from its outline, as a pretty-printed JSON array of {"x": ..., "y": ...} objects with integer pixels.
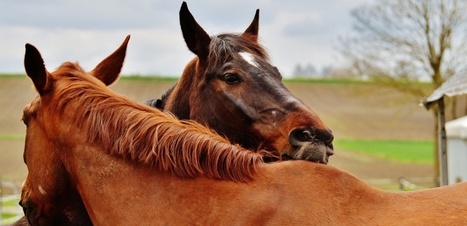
[
  {"x": 223, "y": 47},
  {"x": 146, "y": 135}
]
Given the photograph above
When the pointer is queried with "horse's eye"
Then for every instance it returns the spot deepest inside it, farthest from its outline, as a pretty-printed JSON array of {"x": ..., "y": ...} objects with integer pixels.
[{"x": 231, "y": 79}]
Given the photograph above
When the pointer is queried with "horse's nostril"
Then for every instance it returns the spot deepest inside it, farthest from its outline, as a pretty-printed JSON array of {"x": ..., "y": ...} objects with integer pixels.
[
  {"x": 306, "y": 135},
  {"x": 299, "y": 136}
]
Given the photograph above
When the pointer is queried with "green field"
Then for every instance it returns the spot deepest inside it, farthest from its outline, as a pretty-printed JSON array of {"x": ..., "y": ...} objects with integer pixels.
[
  {"x": 11, "y": 137},
  {"x": 399, "y": 150},
  {"x": 362, "y": 115},
  {"x": 11, "y": 211},
  {"x": 408, "y": 151}
]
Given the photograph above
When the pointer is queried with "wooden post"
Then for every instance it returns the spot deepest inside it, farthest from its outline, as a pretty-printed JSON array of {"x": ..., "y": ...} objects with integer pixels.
[{"x": 442, "y": 148}]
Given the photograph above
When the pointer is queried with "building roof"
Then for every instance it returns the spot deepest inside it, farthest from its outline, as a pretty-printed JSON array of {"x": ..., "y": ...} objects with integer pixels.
[{"x": 453, "y": 86}]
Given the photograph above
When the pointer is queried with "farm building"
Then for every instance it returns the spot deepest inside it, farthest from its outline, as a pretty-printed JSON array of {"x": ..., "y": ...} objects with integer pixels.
[{"x": 452, "y": 136}]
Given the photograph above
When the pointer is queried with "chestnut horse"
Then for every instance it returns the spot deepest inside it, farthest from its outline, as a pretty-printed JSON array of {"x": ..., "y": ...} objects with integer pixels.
[
  {"x": 232, "y": 87},
  {"x": 135, "y": 165},
  {"x": 207, "y": 158}
]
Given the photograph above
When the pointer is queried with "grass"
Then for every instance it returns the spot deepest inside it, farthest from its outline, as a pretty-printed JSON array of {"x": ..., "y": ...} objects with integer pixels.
[
  {"x": 13, "y": 75},
  {"x": 11, "y": 137},
  {"x": 163, "y": 78},
  {"x": 12, "y": 202},
  {"x": 398, "y": 150},
  {"x": 7, "y": 215}
]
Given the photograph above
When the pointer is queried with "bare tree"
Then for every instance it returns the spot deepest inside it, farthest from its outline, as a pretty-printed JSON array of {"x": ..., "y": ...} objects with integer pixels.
[
  {"x": 305, "y": 71},
  {"x": 400, "y": 42}
]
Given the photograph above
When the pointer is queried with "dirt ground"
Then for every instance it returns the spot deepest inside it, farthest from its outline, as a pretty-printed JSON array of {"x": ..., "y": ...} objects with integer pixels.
[
  {"x": 351, "y": 111},
  {"x": 383, "y": 173},
  {"x": 356, "y": 111}
]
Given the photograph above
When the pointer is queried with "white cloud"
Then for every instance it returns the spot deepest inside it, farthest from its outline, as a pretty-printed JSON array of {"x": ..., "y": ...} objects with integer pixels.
[{"x": 301, "y": 31}]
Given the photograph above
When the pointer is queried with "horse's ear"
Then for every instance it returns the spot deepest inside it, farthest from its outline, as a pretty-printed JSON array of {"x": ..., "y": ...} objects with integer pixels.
[
  {"x": 35, "y": 68},
  {"x": 252, "y": 30},
  {"x": 109, "y": 69},
  {"x": 195, "y": 37}
]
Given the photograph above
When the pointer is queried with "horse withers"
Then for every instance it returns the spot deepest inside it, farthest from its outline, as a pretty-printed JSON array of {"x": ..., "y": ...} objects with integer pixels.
[
  {"x": 232, "y": 87},
  {"x": 135, "y": 165}
]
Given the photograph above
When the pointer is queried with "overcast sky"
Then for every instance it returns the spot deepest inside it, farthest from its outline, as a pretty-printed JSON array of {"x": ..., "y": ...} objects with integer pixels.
[{"x": 293, "y": 31}]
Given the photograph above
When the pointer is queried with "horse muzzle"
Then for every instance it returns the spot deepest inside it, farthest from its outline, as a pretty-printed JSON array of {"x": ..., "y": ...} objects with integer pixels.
[
  {"x": 39, "y": 215},
  {"x": 311, "y": 145},
  {"x": 29, "y": 210}
]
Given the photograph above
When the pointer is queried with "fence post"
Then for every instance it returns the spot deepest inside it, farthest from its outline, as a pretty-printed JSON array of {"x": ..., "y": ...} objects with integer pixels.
[{"x": 442, "y": 146}]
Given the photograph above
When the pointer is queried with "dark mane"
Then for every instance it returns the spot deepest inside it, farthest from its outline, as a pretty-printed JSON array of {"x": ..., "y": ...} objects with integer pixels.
[
  {"x": 222, "y": 47},
  {"x": 160, "y": 103},
  {"x": 144, "y": 134}
]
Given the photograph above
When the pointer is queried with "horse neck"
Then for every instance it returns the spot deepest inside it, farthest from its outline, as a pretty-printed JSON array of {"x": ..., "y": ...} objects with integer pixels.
[
  {"x": 119, "y": 192},
  {"x": 179, "y": 101},
  {"x": 98, "y": 177},
  {"x": 319, "y": 195}
]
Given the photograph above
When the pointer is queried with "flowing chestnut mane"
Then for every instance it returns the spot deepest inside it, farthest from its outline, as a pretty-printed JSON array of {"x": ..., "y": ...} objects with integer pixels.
[
  {"x": 75, "y": 122},
  {"x": 144, "y": 134}
]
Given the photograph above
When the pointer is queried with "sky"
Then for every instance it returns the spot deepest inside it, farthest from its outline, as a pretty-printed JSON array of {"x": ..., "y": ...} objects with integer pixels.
[{"x": 86, "y": 31}]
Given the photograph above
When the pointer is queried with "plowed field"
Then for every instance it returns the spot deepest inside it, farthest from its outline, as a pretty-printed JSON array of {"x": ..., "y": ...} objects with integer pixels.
[{"x": 352, "y": 111}]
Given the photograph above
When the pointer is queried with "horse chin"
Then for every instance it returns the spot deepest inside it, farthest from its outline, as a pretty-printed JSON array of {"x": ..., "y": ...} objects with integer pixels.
[
  {"x": 31, "y": 213},
  {"x": 313, "y": 152},
  {"x": 42, "y": 215}
]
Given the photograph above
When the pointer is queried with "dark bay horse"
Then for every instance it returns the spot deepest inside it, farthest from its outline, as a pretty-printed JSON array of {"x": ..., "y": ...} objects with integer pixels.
[
  {"x": 232, "y": 87},
  {"x": 135, "y": 165}
]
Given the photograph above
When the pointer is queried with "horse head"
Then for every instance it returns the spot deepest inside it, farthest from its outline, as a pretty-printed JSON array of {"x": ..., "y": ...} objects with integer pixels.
[
  {"x": 232, "y": 87},
  {"x": 48, "y": 196}
]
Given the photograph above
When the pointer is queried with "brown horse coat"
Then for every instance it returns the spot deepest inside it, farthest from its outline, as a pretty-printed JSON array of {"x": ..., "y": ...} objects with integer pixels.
[
  {"x": 73, "y": 148},
  {"x": 232, "y": 87}
]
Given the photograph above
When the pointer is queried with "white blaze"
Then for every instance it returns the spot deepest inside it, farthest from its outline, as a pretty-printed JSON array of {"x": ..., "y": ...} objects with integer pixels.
[{"x": 248, "y": 57}]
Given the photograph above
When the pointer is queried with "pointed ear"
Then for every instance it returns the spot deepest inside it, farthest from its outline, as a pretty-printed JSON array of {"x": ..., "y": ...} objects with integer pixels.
[
  {"x": 109, "y": 69},
  {"x": 195, "y": 37},
  {"x": 35, "y": 69},
  {"x": 252, "y": 30}
]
